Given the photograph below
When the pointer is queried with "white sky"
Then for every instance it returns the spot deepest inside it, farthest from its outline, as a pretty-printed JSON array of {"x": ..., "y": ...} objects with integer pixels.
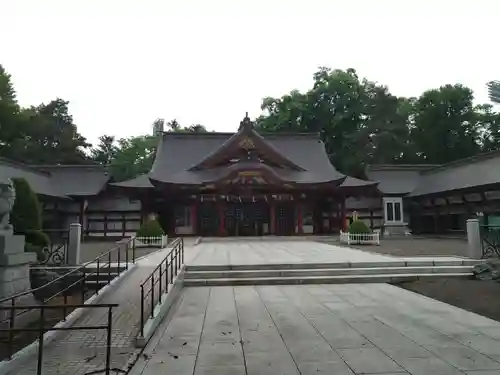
[{"x": 123, "y": 63}]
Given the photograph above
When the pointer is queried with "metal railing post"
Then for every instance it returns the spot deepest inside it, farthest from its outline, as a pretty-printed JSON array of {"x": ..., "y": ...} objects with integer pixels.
[
  {"x": 12, "y": 323},
  {"x": 126, "y": 255},
  {"x": 39, "y": 367},
  {"x": 133, "y": 250},
  {"x": 142, "y": 310},
  {"x": 160, "y": 292},
  {"x": 119, "y": 258},
  {"x": 171, "y": 266},
  {"x": 166, "y": 276},
  {"x": 84, "y": 285},
  {"x": 97, "y": 276},
  {"x": 109, "y": 267},
  {"x": 108, "y": 341},
  {"x": 152, "y": 294}
]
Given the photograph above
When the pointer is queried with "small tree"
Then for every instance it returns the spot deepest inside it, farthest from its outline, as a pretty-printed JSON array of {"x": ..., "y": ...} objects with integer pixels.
[
  {"x": 26, "y": 214},
  {"x": 150, "y": 228},
  {"x": 26, "y": 218},
  {"x": 359, "y": 227}
]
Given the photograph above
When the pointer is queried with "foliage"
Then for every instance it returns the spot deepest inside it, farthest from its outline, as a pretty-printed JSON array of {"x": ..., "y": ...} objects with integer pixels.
[
  {"x": 359, "y": 227},
  {"x": 26, "y": 214},
  {"x": 133, "y": 156},
  {"x": 105, "y": 151},
  {"x": 37, "y": 238},
  {"x": 43, "y": 134},
  {"x": 362, "y": 123},
  {"x": 150, "y": 228}
]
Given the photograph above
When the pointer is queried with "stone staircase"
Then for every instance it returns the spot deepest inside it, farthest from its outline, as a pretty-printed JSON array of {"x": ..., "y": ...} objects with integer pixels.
[{"x": 326, "y": 273}]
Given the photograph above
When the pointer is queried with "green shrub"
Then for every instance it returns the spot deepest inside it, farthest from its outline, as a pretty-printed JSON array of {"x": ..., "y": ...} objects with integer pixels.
[
  {"x": 38, "y": 250},
  {"x": 359, "y": 227},
  {"x": 37, "y": 238},
  {"x": 26, "y": 214},
  {"x": 150, "y": 228}
]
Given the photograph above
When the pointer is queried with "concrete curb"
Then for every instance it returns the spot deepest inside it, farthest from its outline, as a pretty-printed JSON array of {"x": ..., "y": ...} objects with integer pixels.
[
  {"x": 23, "y": 354},
  {"x": 160, "y": 311}
]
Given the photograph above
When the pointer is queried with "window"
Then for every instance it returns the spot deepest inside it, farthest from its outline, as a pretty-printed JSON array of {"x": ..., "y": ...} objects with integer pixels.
[
  {"x": 183, "y": 216},
  {"x": 393, "y": 210}
]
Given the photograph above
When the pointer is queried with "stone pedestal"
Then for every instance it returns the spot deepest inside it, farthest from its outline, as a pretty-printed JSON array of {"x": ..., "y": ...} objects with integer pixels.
[
  {"x": 14, "y": 270},
  {"x": 475, "y": 249},
  {"x": 74, "y": 242},
  {"x": 390, "y": 230}
]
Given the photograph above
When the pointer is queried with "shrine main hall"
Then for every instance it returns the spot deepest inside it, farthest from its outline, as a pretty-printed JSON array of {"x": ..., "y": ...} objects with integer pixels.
[{"x": 245, "y": 184}]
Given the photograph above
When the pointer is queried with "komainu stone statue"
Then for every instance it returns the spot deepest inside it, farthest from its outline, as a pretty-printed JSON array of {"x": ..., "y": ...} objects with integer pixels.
[{"x": 7, "y": 198}]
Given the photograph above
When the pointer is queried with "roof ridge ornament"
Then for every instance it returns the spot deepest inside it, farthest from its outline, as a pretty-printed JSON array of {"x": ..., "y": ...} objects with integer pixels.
[{"x": 246, "y": 124}]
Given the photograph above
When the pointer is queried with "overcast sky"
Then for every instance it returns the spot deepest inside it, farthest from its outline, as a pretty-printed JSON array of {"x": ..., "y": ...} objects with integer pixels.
[{"x": 123, "y": 63}]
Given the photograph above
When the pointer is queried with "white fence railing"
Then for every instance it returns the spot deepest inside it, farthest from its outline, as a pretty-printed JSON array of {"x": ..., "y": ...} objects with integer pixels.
[
  {"x": 360, "y": 238},
  {"x": 158, "y": 241}
]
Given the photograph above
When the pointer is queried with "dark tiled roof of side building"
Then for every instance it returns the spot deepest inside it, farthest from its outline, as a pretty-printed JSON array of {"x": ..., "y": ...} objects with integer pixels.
[
  {"x": 178, "y": 152},
  {"x": 141, "y": 181},
  {"x": 480, "y": 170},
  {"x": 397, "y": 179},
  {"x": 77, "y": 180},
  {"x": 39, "y": 181}
]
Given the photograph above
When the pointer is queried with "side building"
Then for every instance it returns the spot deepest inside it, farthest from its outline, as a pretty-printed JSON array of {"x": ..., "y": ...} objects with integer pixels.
[{"x": 78, "y": 194}]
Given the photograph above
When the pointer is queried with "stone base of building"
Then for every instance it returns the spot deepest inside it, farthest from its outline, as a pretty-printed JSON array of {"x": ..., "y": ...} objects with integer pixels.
[
  {"x": 15, "y": 275},
  {"x": 398, "y": 230}
]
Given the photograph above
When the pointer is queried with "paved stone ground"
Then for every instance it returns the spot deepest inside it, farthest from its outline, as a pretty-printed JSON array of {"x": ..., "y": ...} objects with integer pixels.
[
  {"x": 79, "y": 352},
  {"x": 320, "y": 329},
  {"x": 91, "y": 250},
  {"x": 268, "y": 252},
  {"x": 415, "y": 246}
]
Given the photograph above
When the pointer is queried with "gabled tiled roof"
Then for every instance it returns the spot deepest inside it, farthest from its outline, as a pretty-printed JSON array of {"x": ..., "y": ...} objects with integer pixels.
[
  {"x": 396, "y": 179},
  {"x": 61, "y": 181},
  {"x": 77, "y": 180},
  {"x": 39, "y": 181},
  {"x": 481, "y": 170},
  {"x": 141, "y": 181},
  {"x": 179, "y": 152}
]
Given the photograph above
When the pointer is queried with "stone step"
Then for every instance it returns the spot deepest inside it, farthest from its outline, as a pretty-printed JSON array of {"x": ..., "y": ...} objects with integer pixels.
[
  {"x": 345, "y": 279},
  {"x": 252, "y": 274},
  {"x": 377, "y": 264}
]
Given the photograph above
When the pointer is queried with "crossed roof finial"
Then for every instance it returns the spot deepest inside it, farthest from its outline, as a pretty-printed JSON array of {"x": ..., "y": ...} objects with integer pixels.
[{"x": 246, "y": 123}]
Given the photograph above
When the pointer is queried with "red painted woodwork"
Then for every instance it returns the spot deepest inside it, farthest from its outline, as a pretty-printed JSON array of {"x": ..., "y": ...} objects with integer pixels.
[
  {"x": 222, "y": 219},
  {"x": 299, "y": 219},
  {"x": 272, "y": 218},
  {"x": 194, "y": 216}
]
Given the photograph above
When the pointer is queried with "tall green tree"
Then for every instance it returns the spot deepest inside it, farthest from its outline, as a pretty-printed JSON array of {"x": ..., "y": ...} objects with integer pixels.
[
  {"x": 105, "y": 151},
  {"x": 134, "y": 156},
  {"x": 11, "y": 133},
  {"x": 445, "y": 125}
]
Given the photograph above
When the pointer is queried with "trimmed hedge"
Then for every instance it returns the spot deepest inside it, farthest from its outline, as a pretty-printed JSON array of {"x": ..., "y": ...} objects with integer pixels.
[
  {"x": 26, "y": 214},
  {"x": 359, "y": 227},
  {"x": 26, "y": 218},
  {"x": 150, "y": 228}
]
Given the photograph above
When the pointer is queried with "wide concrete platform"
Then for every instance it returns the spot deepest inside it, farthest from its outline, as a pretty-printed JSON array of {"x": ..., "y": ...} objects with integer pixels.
[
  {"x": 221, "y": 253},
  {"x": 320, "y": 329}
]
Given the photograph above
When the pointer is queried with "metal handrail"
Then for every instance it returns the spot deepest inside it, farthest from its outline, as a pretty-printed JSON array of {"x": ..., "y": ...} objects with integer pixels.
[
  {"x": 83, "y": 266},
  {"x": 173, "y": 261},
  {"x": 42, "y": 329},
  {"x": 9, "y": 303}
]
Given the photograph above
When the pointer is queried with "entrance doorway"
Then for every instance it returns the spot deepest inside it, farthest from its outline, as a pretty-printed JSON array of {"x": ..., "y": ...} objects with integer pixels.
[{"x": 247, "y": 218}]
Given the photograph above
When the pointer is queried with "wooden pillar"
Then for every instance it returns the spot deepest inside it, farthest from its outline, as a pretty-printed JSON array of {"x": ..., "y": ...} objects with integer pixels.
[
  {"x": 299, "y": 218},
  {"x": 272, "y": 217},
  {"x": 194, "y": 216},
  {"x": 343, "y": 223},
  {"x": 371, "y": 219},
  {"x": 222, "y": 219}
]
